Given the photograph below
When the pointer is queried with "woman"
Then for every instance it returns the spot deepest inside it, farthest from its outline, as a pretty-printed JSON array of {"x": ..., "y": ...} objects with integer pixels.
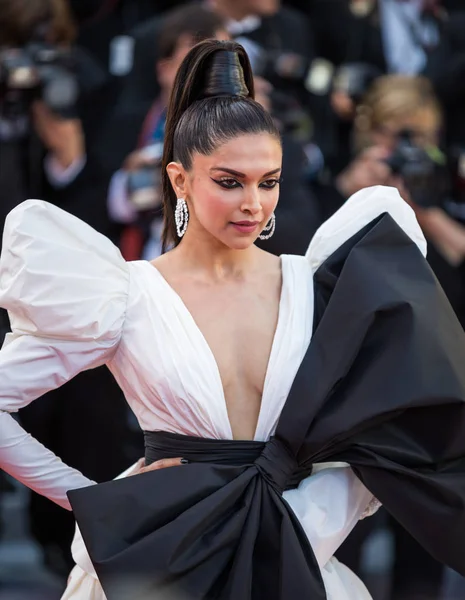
[
  {"x": 392, "y": 105},
  {"x": 211, "y": 345}
]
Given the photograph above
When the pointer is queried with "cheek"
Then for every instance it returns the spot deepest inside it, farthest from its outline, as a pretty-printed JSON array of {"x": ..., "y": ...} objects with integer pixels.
[
  {"x": 218, "y": 206},
  {"x": 270, "y": 199},
  {"x": 212, "y": 203}
]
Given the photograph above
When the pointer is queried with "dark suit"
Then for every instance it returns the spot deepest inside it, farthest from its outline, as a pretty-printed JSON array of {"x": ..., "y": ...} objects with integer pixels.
[{"x": 447, "y": 71}]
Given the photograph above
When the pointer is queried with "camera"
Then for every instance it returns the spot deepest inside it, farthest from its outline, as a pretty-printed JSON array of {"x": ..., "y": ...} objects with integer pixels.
[
  {"x": 36, "y": 71},
  {"x": 423, "y": 170}
]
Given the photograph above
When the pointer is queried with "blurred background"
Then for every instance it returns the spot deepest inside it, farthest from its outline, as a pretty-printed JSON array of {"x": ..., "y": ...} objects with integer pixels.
[{"x": 365, "y": 92}]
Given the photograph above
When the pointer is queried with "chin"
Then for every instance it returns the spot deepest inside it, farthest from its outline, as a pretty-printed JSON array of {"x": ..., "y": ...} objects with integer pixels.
[{"x": 240, "y": 244}]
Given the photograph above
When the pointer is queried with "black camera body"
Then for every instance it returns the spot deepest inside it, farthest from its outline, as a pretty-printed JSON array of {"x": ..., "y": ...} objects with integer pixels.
[
  {"x": 423, "y": 171},
  {"x": 37, "y": 71}
]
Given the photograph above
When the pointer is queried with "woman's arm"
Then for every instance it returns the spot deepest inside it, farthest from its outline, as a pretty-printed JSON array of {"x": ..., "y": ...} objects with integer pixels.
[
  {"x": 65, "y": 288},
  {"x": 29, "y": 367}
]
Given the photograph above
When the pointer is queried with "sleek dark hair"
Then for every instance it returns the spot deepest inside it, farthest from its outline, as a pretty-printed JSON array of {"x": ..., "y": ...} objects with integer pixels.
[
  {"x": 212, "y": 102},
  {"x": 192, "y": 20}
]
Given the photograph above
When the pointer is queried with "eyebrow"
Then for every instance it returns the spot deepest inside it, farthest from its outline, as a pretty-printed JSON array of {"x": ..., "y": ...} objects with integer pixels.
[{"x": 238, "y": 174}]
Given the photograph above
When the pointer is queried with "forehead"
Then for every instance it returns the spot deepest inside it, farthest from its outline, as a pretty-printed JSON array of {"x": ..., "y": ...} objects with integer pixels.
[{"x": 252, "y": 155}]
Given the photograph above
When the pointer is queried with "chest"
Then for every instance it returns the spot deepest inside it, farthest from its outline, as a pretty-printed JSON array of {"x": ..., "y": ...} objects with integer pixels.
[
  {"x": 238, "y": 324},
  {"x": 218, "y": 369}
]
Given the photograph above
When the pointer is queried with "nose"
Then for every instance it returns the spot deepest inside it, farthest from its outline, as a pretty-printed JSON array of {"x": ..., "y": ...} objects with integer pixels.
[{"x": 251, "y": 201}]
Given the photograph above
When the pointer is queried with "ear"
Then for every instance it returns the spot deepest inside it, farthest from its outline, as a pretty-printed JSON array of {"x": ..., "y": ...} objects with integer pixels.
[{"x": 178, "y": 177}]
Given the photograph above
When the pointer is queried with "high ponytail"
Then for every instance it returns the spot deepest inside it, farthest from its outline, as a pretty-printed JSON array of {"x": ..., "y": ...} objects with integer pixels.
[{"x": 212, "y": 102}]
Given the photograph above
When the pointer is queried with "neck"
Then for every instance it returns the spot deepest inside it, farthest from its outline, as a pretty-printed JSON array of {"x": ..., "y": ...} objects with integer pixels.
[
  {"x": 229, "y": 9},
  {"x": 211, "y": 259}
]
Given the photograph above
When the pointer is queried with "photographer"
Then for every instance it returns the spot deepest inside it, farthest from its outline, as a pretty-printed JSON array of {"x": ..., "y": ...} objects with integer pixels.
[
  {"x": 396, "y": 137},
  {"x": 38, "y": 148},
  {"x": 405, "y": 37},
  {"x": 449, "y": 80},
  {"x": 44, "y": 83}
]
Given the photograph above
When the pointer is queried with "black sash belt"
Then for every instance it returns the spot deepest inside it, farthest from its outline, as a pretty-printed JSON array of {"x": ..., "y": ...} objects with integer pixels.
[{"x": 274, "y": 461}]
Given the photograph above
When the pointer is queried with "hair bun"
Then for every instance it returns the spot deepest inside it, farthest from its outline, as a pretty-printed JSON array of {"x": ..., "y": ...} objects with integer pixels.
[{"x": 224, "y": 75}]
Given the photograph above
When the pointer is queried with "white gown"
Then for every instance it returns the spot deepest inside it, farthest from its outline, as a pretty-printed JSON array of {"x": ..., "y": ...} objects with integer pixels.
[{"x": 75, "y": 304}]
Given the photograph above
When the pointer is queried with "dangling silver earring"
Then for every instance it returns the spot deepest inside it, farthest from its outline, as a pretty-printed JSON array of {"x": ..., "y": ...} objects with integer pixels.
[
  {"x": 181, "y": 217},
  {"x": 269, "y": 229}
]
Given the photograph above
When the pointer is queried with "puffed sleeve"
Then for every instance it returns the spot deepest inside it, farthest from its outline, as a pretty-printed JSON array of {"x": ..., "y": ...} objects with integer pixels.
[
  {"x": 328, "y": 505},
  {"x": 65, "y": 287},
  {"x": 361, "y": 209}
]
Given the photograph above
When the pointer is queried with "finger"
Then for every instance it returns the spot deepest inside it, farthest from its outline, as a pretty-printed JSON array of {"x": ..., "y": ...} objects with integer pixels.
[
  {"x": 378, "y": 172},
  {"x": 165, "y": 463},
  {"x": 375, "y": 153},
  {"x": 41, "y": 112}
]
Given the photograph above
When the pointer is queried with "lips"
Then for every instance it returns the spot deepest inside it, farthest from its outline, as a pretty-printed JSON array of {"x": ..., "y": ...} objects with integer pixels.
[
  {"x": 246, "y": 223},
  {"x": 245, "y": 226}
]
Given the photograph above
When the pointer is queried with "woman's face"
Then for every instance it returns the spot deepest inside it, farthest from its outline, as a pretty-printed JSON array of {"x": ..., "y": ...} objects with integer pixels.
[
  {"x": 424, "y": 126},
  {"x": 231, "y": 193}
]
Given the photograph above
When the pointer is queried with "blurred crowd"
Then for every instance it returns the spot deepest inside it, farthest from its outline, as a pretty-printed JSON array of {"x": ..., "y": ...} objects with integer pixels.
[{"x": 365, "y": 92}]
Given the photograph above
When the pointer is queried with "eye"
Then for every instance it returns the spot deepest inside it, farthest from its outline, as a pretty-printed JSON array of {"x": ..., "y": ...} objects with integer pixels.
[
  {"x": 227, "y": 183},
  {"x": 270, "y": 184}
]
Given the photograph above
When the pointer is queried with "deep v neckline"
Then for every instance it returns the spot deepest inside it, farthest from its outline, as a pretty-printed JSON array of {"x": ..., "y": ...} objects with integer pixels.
[{"x": 209, "y": 351}]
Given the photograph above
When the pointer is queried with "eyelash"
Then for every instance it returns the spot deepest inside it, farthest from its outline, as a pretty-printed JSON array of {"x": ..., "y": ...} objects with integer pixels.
[{"x": 223, "y": 183}]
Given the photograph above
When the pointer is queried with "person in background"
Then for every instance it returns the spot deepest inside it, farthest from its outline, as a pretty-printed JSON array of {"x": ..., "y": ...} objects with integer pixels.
[
  {"x": 356, "y": 39},
  {"x": 134, "y": 197},
  {"x": 397, "y": 105},
  {"x": 449, "y": 82},
  {"x": 396, "y": 36},
  {"x": 31, "y": 134}
]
